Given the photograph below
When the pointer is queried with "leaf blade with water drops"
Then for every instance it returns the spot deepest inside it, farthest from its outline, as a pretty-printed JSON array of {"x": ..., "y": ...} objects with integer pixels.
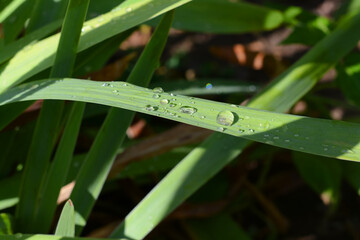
[{"x": 323, "y": 137}]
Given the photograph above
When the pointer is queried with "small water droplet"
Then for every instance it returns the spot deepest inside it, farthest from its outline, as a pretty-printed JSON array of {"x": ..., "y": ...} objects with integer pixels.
[
  {"x": 251, "y": 130},
  {"x": 171, "y": 94},
  {"x": 221, "y": 129},
  {"x": 225, "y": 118},
  {"x": 325, "y": 149},
  {"x": 188, "y": 110},
  {"x": 269, "y": 142},
  {"x": 158, "y": 90},
  {"x": 151, "y": 108},
  {"x": 115, "y": 91},
  {"x": 241, "y": 130},
  {"x": 172, "y": 105},
  {"x": 156, "y": 96},
  {"x": 296, "y": 135},
  {"x": 276, "y": 137},
  {"x": 287, "y": 140},
  {"x": 105, "y": 85},
  {"x": 164, "y": 101},
  {"x": 129, "y": 9},
  {"x": 192, "y": 102},
  {"x": 202, "y": 117}
]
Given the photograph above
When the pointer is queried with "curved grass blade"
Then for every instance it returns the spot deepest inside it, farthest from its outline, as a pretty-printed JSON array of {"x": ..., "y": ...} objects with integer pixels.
[
  {"x": 206, "y": 87},
  {"x": 20, "y": 236},
  {"x": 66, "y": 224},
  {"x": 26, "y": 41},
  {"x": 311, "y": 135},
  {"x": 44, "y": 12},
  {"x": 6, "y": 223},
  {"x": 101, "y": 156},
  {"x": 40, "y": 56},
  {"x": 47, "y": 127},
  {"x": 56, "y": 176},
  {"x": 200, "y": 165},
  {"x": 218, "y": 16}
]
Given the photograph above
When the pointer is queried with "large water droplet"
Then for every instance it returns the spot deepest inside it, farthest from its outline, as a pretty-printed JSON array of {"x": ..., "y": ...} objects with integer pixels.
[
  {"x": 158, "y": 90},
  {"x": 188, "y": 110},
  {"x": 225, "y": 118},
  {"x": 164, "y": 101},
  {"x": 151, "y": 108}
]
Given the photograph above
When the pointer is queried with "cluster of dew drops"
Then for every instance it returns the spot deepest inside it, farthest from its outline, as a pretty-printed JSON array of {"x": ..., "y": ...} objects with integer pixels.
[{"x": 224, "y": 118}]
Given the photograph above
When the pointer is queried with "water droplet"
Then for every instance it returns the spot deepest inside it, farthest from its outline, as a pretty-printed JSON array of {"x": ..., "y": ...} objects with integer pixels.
[
  {"x": 164, "y": 101},
  {"x": 251, "y": 130},
  {"x": 172, "y": 105},
  {"x": 192, "y": 102},
  {"x": 221, "y": 129},
  {"x": 269, "y": 142},
  {"x": 301, "y": 148},
  {"x": 105, "y": 85},
  {"x": 188, "y": 110},
  {"x": 276, "y": 137},
  {"x": 156, "y": 96},
  {"x": 225, "y": 118},
  {"x": 287, "y": 140},
  {"x": 129, "y": 9},
  {"x": 158, "y": 90},
  {"x": 325, "y": 149},
  {"x": 115, "y": 91},
  {"x": 171, "y": 94},
  {"x": 151, "y": 108},
  {"x": 125, "y": 84},
  {"x": 296, "y": 135},
  {"x": 241, "y": 130},
  {"x": 209, "y": 86},
  {"x": 202, "y": 117},
  {"x": 233, "y": 105},
  {"x": 266, "y": 135}
]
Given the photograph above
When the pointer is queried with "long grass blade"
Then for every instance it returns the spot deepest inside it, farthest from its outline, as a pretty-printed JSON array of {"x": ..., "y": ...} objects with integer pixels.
[
  {"x": 311, "y": 135},
  {"x": 200, "y": 165},
  {"x": 40, "y": 56},
  {"x": 47, "y": 127},
  {"x": 100, "y": 158},
  {"x": 56, "y": 176}
]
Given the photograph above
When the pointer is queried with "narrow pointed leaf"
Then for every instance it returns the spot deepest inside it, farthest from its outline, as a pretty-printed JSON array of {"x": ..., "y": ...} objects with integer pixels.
[{"x": 66, "y": 224}]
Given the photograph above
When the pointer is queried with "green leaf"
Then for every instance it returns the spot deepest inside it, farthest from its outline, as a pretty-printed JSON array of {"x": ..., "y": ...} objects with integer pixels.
[
  {"x": 58, "y": 171},
  {"x": 5, "y": 224},
  {"x": 322, "y": 174},
  {"x": 200, "y": 165},
  {"x": 103, "y": 151},
  {"x": 47, "y": 127},
  {"x": 66, "y": 224},
  {"x": 312, "y": 135},
  {"x": 10, "y": 189},
  {"x": 44, "y": 12},
  {"x": 20, "y": 236},
  {"x": 351, "y": 173},
  {"x": 348, "y": 77},
  {"x": 218, "y": 16},
  {"x": 40, "y": 56},
  {"x": 206, "y": 87}
]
